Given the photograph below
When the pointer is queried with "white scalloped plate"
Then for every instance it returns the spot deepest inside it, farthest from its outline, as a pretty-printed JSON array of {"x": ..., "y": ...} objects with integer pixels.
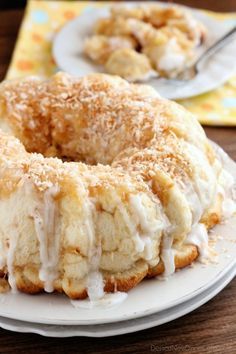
[
  {"x": 112, "y": 329},
  {"x": 219, "y": 68}
]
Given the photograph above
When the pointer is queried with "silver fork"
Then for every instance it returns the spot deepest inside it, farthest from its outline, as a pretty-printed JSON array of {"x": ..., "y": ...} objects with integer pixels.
[{"x": 190, "y": 72}]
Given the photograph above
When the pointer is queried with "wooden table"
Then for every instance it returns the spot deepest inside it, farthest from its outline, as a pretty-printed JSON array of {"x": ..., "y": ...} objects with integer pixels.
[{"x": 209, "y": 329}]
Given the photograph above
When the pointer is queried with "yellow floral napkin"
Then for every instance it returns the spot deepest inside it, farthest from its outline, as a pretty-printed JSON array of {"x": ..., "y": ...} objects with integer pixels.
[{"x": 33, "y": 55}]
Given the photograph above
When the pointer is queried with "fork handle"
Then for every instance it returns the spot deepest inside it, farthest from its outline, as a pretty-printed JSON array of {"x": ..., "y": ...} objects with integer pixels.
[{"x": 216, "y": 46}]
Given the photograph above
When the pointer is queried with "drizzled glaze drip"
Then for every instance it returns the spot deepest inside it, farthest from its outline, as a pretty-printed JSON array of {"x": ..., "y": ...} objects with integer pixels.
[
  {"x": 95, "y": 284},
  {"x": 199, "y": 237},
  {"x": 49, "y": 238},
  {"x": 143, "y": 239},
  {"x": 107, "y": 301},
  {"x": 194, "y": 203},
  {"x": 168, "y": 255},
  {"x": 94, "y": 281},
  {"x": 227, "y": 190}
]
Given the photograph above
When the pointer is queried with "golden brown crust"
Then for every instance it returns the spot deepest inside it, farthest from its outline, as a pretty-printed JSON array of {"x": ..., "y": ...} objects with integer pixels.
[
  {"x": 183, "y": 258},
  {"x": 113, "y": 282},
  {"x": 125, "y": 281},
  {"x": 4, "y": 286}
]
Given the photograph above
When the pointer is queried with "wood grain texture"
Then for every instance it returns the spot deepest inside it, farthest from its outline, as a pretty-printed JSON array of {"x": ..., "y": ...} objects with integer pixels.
[
  {"x": 215, "y": 5},
  {"x": 209, "y": 329}
]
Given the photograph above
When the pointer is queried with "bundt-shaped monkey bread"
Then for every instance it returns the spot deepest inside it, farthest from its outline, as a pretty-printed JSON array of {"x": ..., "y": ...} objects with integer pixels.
[{"x": 102, "y": 183}]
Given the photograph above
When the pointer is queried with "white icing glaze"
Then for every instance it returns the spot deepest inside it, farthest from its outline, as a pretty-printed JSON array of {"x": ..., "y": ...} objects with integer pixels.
[
  {"x": 143, "y": 244},
  {"x": 141, "y": 212},
  {"x": 149, "y": 229},
  {"x": 94, "y": 281},
  {"x": 49, "y": 238},
  {"x": 95, "y": 284},
  {"x": 168, "y": 255},
  {"x": 107, "y": 301},
  {"x": 171, "y": 62},
  {"x": 89, "y": 208},
  {"x": 168, "y": 258},
  {"x": 226, "y": 180},
  {"x": 139, "y": 243},
  {"x": 204, "y": 186},
  {"x": 194, "y": 203},
  {"x": 199, "y": 237},
  {"x": 172, "y": 59}
]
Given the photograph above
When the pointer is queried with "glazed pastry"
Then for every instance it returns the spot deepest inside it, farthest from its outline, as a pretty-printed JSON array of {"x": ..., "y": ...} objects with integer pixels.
[
  {"x": 137, "y": 12},
  {"x": 130, "y": 64},
  {"x": 168, "y": 49},
  {"x": 159, "y": 17},
  {"x": 168, "y": 59},
  {"x": 99, "y": 47},
  {"x": 130, "y": 193},
  {"x": 167, "y": 36},
  {"x": 112, "y": 27}
]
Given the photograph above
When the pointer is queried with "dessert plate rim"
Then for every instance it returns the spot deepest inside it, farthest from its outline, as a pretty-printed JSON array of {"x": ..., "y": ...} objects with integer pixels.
[{"x": 119, "y": 328}]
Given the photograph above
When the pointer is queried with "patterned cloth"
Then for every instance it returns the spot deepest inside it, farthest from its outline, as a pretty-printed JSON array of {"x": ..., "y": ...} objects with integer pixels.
[{"x": 33, "y": 55}]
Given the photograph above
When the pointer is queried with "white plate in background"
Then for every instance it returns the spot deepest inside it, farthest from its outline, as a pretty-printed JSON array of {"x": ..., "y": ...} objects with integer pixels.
[{"x": 68, "y": 54}]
